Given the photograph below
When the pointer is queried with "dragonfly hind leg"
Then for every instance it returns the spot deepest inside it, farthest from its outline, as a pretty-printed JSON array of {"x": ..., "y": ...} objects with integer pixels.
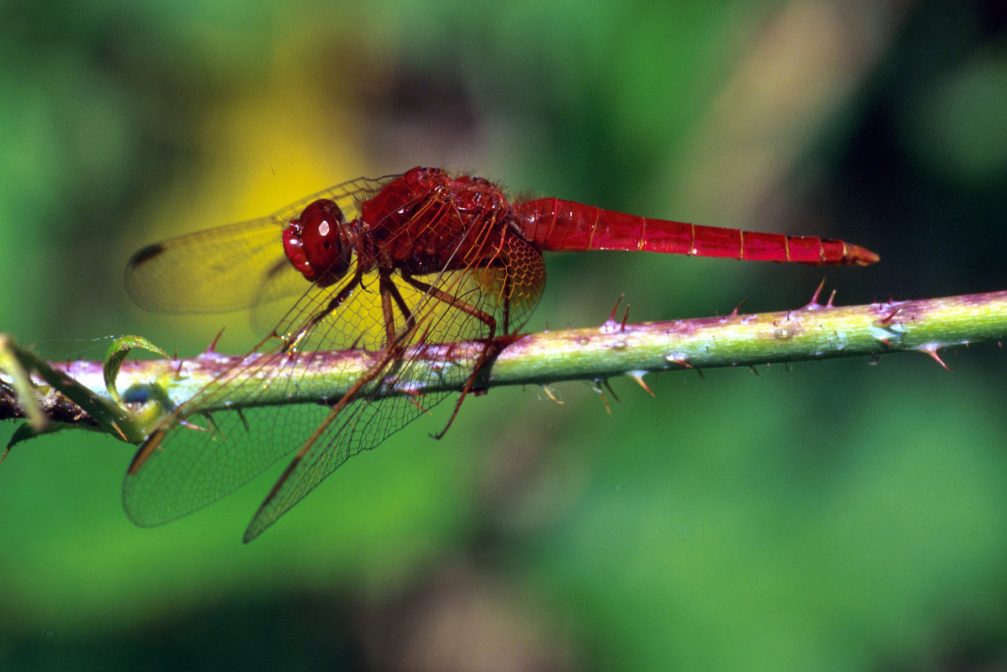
[{"x": 484, "y": 354}]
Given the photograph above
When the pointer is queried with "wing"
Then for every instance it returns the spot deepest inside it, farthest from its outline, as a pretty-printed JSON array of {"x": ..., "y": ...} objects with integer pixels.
[
  {"x": 231, "y": 267},
  {"x": 200, "y": 455},
  {"x": 507, "y": 287}
]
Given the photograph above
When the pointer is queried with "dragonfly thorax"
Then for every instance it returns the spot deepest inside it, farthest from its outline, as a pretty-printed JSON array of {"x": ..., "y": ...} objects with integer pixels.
[{"x": 425, "y": 220}]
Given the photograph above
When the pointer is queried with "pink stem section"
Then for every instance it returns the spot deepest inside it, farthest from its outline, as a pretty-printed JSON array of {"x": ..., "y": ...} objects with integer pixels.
[{"x": 557, "y": 225}]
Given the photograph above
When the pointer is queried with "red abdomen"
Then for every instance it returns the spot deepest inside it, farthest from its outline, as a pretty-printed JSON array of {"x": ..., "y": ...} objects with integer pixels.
[{"x": 558, "y": 225}]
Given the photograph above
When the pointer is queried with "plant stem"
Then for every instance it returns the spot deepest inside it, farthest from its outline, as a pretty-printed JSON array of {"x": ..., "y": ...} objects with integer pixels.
[{"x": 813, "y": 332}]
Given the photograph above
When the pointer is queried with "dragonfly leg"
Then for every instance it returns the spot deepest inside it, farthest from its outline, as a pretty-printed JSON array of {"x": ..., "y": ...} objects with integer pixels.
[
  {"x": 386, "y": 308},
  {"x": 392, "y": 352},
  {"x": 484, "y": 354},
  {"x": 454, "y": 302},
  {"x": 389, "y": 293},
  {"x": 403, "y": 308},
  {"x": 291, "y": 343}
]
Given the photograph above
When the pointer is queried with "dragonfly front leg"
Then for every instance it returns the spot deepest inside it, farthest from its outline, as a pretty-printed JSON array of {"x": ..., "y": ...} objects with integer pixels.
[{"x": 291, "y": 343}]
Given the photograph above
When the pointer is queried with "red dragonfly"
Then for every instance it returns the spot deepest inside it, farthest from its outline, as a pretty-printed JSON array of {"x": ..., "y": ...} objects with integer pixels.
[{"x": 380, "y": 265}]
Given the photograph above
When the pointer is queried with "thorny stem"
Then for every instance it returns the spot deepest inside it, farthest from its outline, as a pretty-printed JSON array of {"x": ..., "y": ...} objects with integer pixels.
[{"x": 812, "y": 332}]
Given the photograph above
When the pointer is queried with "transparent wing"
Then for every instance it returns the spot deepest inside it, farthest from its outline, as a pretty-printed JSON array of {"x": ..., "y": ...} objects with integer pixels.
[
  {"x": 200, "y": 455},
  {"x": 210, "y": 271},
  {"x": 230, "y": 267},
  {"x": 181, "y": 468},
  {"x": 507, "y": 289}
]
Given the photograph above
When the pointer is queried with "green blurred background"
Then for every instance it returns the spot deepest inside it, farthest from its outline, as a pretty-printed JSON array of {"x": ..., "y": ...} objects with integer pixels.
[{"x": 833, "y": 516}]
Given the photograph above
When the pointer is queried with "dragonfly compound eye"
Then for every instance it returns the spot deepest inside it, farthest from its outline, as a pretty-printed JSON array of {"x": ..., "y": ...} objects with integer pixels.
[{"x": 316, "y": 243}]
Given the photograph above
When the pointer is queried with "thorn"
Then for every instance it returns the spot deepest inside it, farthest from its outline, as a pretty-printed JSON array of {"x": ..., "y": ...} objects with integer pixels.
[
  {"x": 679, "y": 359},
  {"x": 813, "y": 304},
  {"x": 214, "y": 427},
  {"x": 551, "y": 394},
  {"x": 4, "y": 454},
  {"x": 192, "y": 425},
  {"x": 114, "y": 425},
  {"x": 244, "y": 420},
  {"x": 178, "y": 369},
  {"x": 887, "y": 319},
  {"x": 615, "y": 308},
  {"x": 931, "y": 349},
  {"x": 596, "y": 386},
  {"x": 737, "y": 307},
  {"x": 637, "y": 376},
  {"x": 701, "y": 375},
  {"x": 753, "y": 369},
  {"x": 625, "y": 316},
  {"x": 832, "y": 297},
  {"x": 216, "y": 339},
  {"x": 608, "y": 386},
  {"x": 610, "y": 324}
]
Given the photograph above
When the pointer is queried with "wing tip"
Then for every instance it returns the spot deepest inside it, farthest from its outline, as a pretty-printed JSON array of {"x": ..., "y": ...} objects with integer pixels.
[
  {"x": 135, "y": 265},
  {"x": 267, "y": 513}
]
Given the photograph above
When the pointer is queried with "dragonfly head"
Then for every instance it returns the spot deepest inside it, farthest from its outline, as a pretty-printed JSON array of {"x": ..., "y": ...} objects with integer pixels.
[{"x": 316, "y": 243}]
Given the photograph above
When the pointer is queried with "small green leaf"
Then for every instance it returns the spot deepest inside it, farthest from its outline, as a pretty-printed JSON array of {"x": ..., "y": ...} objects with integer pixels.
[
  {"x": 21, "y": 381},
  {"x": 112, "y": 417},
  {"x": 116, "y": 355}
]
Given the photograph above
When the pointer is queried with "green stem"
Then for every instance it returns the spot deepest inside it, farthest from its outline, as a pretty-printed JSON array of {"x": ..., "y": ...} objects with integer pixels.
[{"x": 812, "y": 332}]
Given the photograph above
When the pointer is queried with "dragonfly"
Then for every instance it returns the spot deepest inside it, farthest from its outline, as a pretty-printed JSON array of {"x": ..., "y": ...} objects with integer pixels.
[{"x": 377, "y": 265}]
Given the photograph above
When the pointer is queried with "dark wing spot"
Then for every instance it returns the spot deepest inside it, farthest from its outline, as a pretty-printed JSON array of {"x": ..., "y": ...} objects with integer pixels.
[{"x": 145, "y": 254}]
